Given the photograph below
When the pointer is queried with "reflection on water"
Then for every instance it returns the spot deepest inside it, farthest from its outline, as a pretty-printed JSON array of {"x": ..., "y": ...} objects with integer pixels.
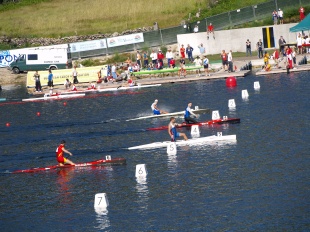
[
  {"x": 63, "y": 180},
  {"x": 172, "y": 160},
  {"x": 142, "y": 193},
  {"x": 102, "y": 218}
]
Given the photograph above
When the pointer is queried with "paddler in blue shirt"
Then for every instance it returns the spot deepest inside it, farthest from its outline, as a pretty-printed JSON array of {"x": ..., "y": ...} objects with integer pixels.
[
  {"x": 155, "y": 109},
  {"x": 187, "y": 115},
  {"x": 173, "y": 131}
]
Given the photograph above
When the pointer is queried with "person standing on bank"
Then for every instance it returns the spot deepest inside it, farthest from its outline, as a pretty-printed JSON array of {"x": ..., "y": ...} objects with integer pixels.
[
  {"x": 187, "y": 115},
  {"x": 230, "y": 61},
  {"x": 36, "y": 77},
  {"x": 50, "y": 83},
  {"x": 259, "y": 47},
  {"x": 189, "y": 52},
  {"x": 74, "y": 75},
  {"x": 248, "y": 47}
]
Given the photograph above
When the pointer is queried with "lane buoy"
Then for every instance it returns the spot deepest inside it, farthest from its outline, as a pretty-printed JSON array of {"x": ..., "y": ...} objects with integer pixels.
[
  {"x": 8, "y": 124},
  {"x": 38, "y": 114},
  {"x": 65, "y": 103},
  {"x": 231, "y": 82}
]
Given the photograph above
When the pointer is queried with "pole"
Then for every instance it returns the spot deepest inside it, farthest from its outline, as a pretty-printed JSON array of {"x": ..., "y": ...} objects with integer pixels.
[{"x": 276, "y": 3}]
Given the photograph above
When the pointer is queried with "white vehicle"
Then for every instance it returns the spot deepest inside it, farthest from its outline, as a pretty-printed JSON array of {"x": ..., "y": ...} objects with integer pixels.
[{"x": 42, "y": 58}]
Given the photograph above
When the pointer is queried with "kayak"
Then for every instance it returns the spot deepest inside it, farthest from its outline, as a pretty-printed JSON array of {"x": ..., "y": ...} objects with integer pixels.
[
  {"x": 210, "y": 122},
  {"x": 199, "y": 111},
  {"x": 128, "y": 87},
  {"x": 194, "y": 141},
  {"x": 114, "y": 161},
  {"x": 55, "y": 97}
]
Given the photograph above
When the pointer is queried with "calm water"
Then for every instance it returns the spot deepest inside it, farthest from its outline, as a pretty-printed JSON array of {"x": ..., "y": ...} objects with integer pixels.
[{"x": 259, "y": 183}]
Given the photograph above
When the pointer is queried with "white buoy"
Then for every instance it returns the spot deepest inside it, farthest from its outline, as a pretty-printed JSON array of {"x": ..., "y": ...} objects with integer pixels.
[
  {"x": 141, "y": 170},
  {"x": 101, "y": 201},
  {"x": 244, "y": 93},
  {"x": 231, "y": 103},
  {"x": 196, "y": 107},
  {"x": 108, "y": 157},
  {"x": 195, "y": 132},
  {"x": 215, "y": 115},
  {"x": 219, "y": 134},
  {"x": 256, "y": 85},
  {"x": 225, "y": 117},
  {"x": 172, "y": 148}
]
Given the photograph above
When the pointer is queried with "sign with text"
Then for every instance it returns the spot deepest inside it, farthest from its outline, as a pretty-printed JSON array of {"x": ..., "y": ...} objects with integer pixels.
[
  {"x": 88, "y": 45},
  {"x": 125, "y": 40}
]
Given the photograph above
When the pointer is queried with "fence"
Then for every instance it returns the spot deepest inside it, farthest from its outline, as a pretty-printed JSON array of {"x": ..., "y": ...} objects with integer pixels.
[{"x": 221, "y": 21}]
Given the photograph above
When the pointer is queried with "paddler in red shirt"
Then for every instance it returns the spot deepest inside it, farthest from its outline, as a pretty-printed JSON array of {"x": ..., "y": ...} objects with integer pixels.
[{"x": 60, "y": 154}]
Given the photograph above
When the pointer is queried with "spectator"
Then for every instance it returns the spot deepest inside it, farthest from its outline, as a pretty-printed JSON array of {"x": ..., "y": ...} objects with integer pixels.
[
  {"x": 189, "y": 52},
  {"x": 128, "y": 61},
  {"x": 224, "y": 60},
  {"x": 299, "y": 44},
  {"x": 145, "y": 59},
  {"x": 210, "y": 30},
  {"x": 139, "y": 58},
  {"x": 266, "y": 58},
  {"x": 282, "y": 42},
  {"x": 294, "y": 57},
  {"x": 275, "y": 17},
  {"x": 159, "y": 65},
  {"x": 169, "y": 56},
  {"x": 206, "y": 65},
  {"x": 198, "y": 64},
  {"x": 182, "y": 62},
  {"x": 259, "y": 47},
  {"x": 280, "y": 16},
  {"x": 201, "y": 49},
  {"x": 155, "y": 26},
  {"x": 154, "y": 57},
  {"x": 301, "y": 13},
  {"x": 196, "y": 29},
  {"x": 182, "y": 51},
  {"x": 276, "y": 57},
  {"x": 113, "y": 70},
  {"x": 160, "y": 57},
  {"x": 172, "y": 63},
  {"x": 36, "y": 77},
  {"x": 248, "y": 47},
  {"x": 230, "y": 62},
  {"x": 74, "y": 74},
  {"x": 67, "y": 84},
  {"x": 289, "y": 58}
]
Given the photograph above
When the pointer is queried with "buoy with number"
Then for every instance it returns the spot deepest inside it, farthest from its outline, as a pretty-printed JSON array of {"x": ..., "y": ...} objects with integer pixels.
[
  {"x": 101, "y": 201},
  {"x": 195, "y": 131},
  {"x": 231, "y": 82},
  {"x": 256, "y": 85},
  {"x": 231, "y": 103},
  {"x": 219, "y": 134},
  {"x": 215, "y": 115},
  {"x": 171, "y": 148},
  {"x": 244, "y": 93},
  {"x": 107, "y": 157},
  {"x": 141, "y": 170}
]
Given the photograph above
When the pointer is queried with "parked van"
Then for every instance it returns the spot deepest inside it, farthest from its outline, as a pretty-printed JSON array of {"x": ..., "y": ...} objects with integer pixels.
[{"x": 36, "y": 59}]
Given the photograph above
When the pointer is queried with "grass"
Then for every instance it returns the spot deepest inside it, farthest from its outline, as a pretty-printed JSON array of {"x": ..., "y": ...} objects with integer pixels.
[{"x": 58, "y": 18}]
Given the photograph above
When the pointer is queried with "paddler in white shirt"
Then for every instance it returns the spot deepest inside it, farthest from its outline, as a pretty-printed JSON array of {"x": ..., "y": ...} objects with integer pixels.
[
  {"x": 155, "y": 110},
  {"x": 187, "y": 115},
  {"x": 173, "y": 131}
]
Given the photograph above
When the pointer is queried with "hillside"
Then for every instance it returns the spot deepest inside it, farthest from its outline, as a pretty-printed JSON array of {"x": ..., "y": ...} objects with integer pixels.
[{"x": 58, "y": 18}]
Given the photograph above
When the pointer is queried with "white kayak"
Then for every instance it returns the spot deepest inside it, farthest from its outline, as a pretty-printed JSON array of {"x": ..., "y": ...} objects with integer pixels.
[
  {"x": 199, "y": 111},
  {"x": 194, "y": 141},
  {"x": 128, "y": 87},
  {"x": 53, "y": 97}
]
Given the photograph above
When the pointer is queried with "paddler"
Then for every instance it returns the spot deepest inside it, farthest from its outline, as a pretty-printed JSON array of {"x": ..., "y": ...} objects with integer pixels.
[
  {"x": 173, "y": 131},
  {"x": 187, "y": 115},
  {"x": 60, "y": 154},
  {"x": 155, "y": 110}
]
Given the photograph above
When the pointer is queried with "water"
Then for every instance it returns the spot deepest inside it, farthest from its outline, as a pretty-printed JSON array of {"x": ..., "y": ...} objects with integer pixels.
[{"x": 259, "y": 183}]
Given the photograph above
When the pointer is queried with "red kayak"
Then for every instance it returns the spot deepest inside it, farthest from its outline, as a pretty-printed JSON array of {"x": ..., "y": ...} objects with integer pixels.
[
  {"x": 114, "y": 161},
  {"x": 184, "y": 124}
]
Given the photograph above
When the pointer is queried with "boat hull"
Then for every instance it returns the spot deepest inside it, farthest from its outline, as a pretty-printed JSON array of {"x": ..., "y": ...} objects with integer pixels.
[
  {"x": 115, "y": 161},
  {"x": 210, "y": 122},
  {"x": 194, "y": 141}
]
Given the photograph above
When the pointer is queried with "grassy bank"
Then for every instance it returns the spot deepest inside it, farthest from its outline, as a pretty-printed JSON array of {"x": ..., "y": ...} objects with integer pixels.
[{"x": 57, "y": 18}]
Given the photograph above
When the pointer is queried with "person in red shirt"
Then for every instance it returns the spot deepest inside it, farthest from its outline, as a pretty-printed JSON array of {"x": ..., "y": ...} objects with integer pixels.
[
  {"x": 301, "y": 13},
  {"x": 210, "y": 29},
  {"x": 276, "y": 57},
  {"x": 172, "y": 63},
  {"x": 60, "y": 154},
  {"x": 161, "y": 57},
  {"x": 182, "y": 51},
  {"x": 224, "y": 60}
]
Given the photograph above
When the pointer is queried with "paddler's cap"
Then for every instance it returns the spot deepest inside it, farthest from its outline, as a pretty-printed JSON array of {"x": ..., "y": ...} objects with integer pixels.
[{"x": 63, "y": 142}]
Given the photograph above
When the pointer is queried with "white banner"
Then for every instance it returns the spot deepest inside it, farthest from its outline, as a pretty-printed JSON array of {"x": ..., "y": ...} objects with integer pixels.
[
  {"x": 125, "y": 40},
  {"x": 88, "y": 45}
]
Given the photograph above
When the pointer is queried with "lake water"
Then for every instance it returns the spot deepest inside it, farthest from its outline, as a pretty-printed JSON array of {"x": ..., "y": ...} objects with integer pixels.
[{"x": 259, "y": 183}]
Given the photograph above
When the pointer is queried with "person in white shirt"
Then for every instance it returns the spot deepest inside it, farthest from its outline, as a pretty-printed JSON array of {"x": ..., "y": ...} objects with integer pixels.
[
  {"x": 196, "y": 29},
  {"x": 154, "y": 57},
  {"x": 230, "y": 63},
  {"x": 198, "y": 63},
  {"x": 299, "y": 43},
  {"x": 280, "y": 16},
  {"x": 206, "y": 65},
  {"x": 169, "y": 56}
]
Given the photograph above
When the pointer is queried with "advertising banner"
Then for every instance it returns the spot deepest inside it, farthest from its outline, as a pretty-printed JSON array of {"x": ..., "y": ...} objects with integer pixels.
[
  {"x": 88, "y": 45},
  {"x": 84, "y": 75},
  {"x": 125, "y": 40}
]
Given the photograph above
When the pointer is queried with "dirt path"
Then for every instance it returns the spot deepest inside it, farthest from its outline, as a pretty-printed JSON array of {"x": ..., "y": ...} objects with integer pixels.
[{"x": 7, "y": 77}]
